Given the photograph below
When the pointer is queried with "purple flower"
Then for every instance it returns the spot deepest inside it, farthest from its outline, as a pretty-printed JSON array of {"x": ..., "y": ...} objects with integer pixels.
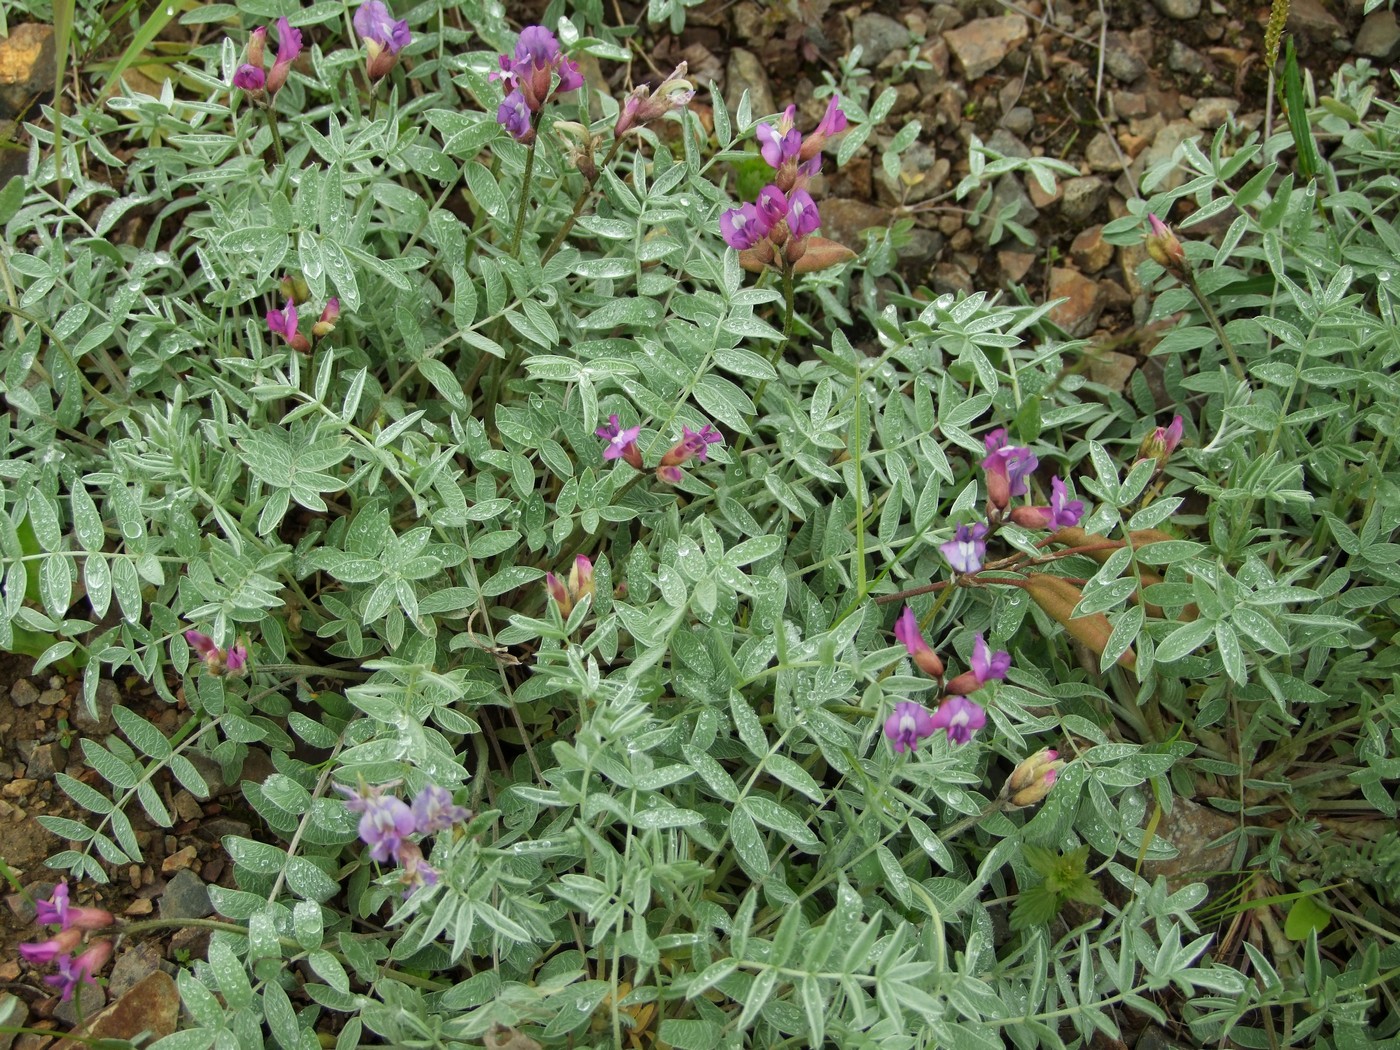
[
  {"x": 514, "y": 115},
  {"x": 54, "y": 911},
  {"x": 384, "y": 38},
  {"x": 537, "y": 58},
  {"x": 434, "y": 811},
  {"x": 1063, "y": 513},
  {"x": 643, "y": 105},
  {"x": 41, "y": 953},
  {"x": 284, "y": 323},
  {"x": 329, "y": 316},
  {"x": 986, "y": 665},
  {"x": 833, "y": 123},
  {"x": 909, "y": 724},
  {"x": 803, "y": 217},
  {"x": 772, "y": 205},
  {"x": 555, "y": 586},
  {"x": 906, "y": 630},
  {"x": 622, "y": 442},
  {"x": 693, "y": 444},
  {"x": 781, "y": 143},
  {"x": 743, "y": 227},
  {"x": 249, "y": 78},
  {"x": 960, "y": 717},
  {"x": 75, "y": 971},
  {"x": 967, "y": 548},
  {"x": 385, "y": 821},
  {"x": 288, "y": 48},
  {"x": 1160, "y": 443},
  {"x": 537, "y": 46},
  {"x": 1007, "y": 468}
]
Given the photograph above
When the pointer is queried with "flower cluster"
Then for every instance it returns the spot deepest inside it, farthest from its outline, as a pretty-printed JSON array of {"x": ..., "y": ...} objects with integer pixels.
[
  {"x": 1166, "y": 251},
  {"x": 580, "y": 584},
  {"x": 694, "y": 444},
  {"x": 384, "y": 38},
  {"x": 776, "y": 229},
  {"x": 285, "y": 323},
  {"x": 251, "y": 76},
  {"x": 1032, "y": 780},
  {"x": 386, "y": 822},
  {"x": 218, "y": 661},
  {"x": 59, "y": 949},
  {"x": 643, "y": 105},
  {"x": 529, "y": 82},
  {"x": 1008, "y": 469},
  {"x": 957, "y": 715}
]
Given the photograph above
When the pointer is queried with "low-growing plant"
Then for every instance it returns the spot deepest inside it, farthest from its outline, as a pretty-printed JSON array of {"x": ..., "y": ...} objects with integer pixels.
[{"x": 773, "y": 655}]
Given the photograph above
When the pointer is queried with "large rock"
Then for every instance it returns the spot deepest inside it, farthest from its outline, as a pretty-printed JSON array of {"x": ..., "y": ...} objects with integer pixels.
[
  {"x": 185, "y": 897},
  {"x": 746, "y": 73},
  {"x": 1379, "y": 37},
  {"x": 845, "y": 220},
  {"x": 980, "y": 45},
  {"x": 1082, "y": 197},
  {"x": 152, "y": 1006},
  {"x": 1083, "y": 303},
  {"x": 27, "y": 68},
  {"x": 1192, "y": 829},
  {"x": 1313, "y": 18}
]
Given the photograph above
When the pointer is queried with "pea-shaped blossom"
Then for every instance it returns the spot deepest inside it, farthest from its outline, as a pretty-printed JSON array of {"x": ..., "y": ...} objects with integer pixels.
[
  {"x": 693, "y": 444},
  {"x": 284, "y": 323},
  {"x": 1161, "y": 442},
  {"x": 74, "y": 971},
  {"x": 216, "y": 660},
  {"x": 434, "y": 811},
  {"x": 643, "y": 105},
  {"x": 383, "y": 36},
  {"x": 906, "y": 630},
  {"x": 621, "y": 442},
  {"x": 743, "y": 227},
  {"x": 782, "y": 142},
  {"x": 1007, "y": 467},
  {"x": 987, "y": 666},
  {"x": 41, "y": 953},
  {"x": 385, "y": 821},
  {"x": 960, "y": 718},
  {"x": 1063, "y": 512},
  {"x": 528, "y": 80},
  {"x": 907, "y": 725},
  {"x": 1163, "y": 246},
  {"x": 968, "y": 547}
]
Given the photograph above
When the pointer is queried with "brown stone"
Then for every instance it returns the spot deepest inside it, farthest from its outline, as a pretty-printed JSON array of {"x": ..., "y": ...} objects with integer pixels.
[
  {"x": 153, "y": 1006},
  {"x": 981, "y": 45},
  {"x": 1112, "y": 369},
  {"x": 27, "y": 68},
  {"x": 1191, "y": 828},
  {"x": 1090, "y": 252},
  {"x": 178, "y": 861},
  {"x": 1312, "y": 16},
  {"x": 1015, "y": 265},
  {"x": 1039, "y": 197},
  {"x": 1083, "y": 303}
]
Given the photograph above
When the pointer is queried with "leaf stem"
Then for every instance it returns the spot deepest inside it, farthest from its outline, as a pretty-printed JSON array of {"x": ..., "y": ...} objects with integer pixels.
[
  {"x": 524, "y": 199},
  {"x": 270, "y": 115}
]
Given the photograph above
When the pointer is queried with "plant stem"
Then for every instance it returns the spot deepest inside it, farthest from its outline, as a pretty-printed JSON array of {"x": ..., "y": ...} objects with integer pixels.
[
  {"x": 777, "y": 356},
  {"x": 579, "y": 205},
  {"x": 524, "y": 199},
  {"x": 1209, "y": 311},
  {"x": 271, "y": 116}
]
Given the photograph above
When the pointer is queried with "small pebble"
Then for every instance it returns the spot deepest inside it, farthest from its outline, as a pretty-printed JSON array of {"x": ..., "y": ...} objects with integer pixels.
[{"x": 23, "y": 693}]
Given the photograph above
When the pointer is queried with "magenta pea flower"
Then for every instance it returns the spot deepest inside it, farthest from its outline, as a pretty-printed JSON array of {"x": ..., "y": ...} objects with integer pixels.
[
  {"x": 1163, "y": 246},
  {"x": 621, "y": 442},
  {"x": 530, "y": 76},
  {"x": 250, "y": 76},
  {"x": 416, "y": 872},
  {"x": 284, "y": 323},
  {"x": 803, "y": 217},
  {"x": 906, "y": 630},
  {"x": 73, "y": 972},
  {"x": 41, "y": 953},
  {"x": 744, "y": 226},
  {"x": 693, "y": 444},
  {"x": 288, "y": 48},
  {"x": 434, "y": 811},
  {"x": 54, "y": 911},
  {"x": 960, "y": 718},
  {"x": 833, "y": 123},
  {"x": 513, "y": 114},
  {"x": 987, "y": 666},
  {"x": 907, "y": 725},
  {"x": 643, "y": 105},
  {"x": 1063, "y": 512},
  {"x": 1007, "y": 466},
  {"x": 782, "y": 142},
  {"x": 384, "y": 38},
  {"x": 965, "y": 551},
  {"x": 329, "y": 316},
  {"x": 216, "y": 660},
  {"x": 772, "y": 204}
]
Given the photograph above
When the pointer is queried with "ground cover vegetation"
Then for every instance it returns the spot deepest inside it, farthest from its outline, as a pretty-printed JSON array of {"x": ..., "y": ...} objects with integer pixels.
[{"x": 593, "y": 604}]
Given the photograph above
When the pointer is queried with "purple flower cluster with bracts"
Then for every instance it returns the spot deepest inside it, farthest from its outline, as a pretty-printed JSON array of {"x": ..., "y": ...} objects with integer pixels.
[
  {"x": 384, "y": 38},
  {"x": 776, "y": 229},
  {"x": 960, "y": 718},
  {"x": 251, "y": 77},
  {"x": 622, "y": 442},
  {"x": 957, "y": 716},
  {"x": 692, "y": 445},
  {"x": 59, "y": 948},
  {"x": 286, "y": 323},
  {"x": 386, "y": 822},
  {"x": 216, "y": 660},
  {"x": 528, "y": 79}
]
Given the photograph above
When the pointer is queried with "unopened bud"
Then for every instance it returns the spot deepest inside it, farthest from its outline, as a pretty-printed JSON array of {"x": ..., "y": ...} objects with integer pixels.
[
  {"x": 581, "y": 578},
  {"x": 559, "y": 593},
  {"x": 326, "y": 325},
  {"x": 928, "y": 662},
  {"x": 963, "y": 684},
  {"x": 1031, "y": 517},
  {"x": 1032, "y": 780},
  {"x": 295, "y": 288},
  {"x": 1165, "y": 249}
]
